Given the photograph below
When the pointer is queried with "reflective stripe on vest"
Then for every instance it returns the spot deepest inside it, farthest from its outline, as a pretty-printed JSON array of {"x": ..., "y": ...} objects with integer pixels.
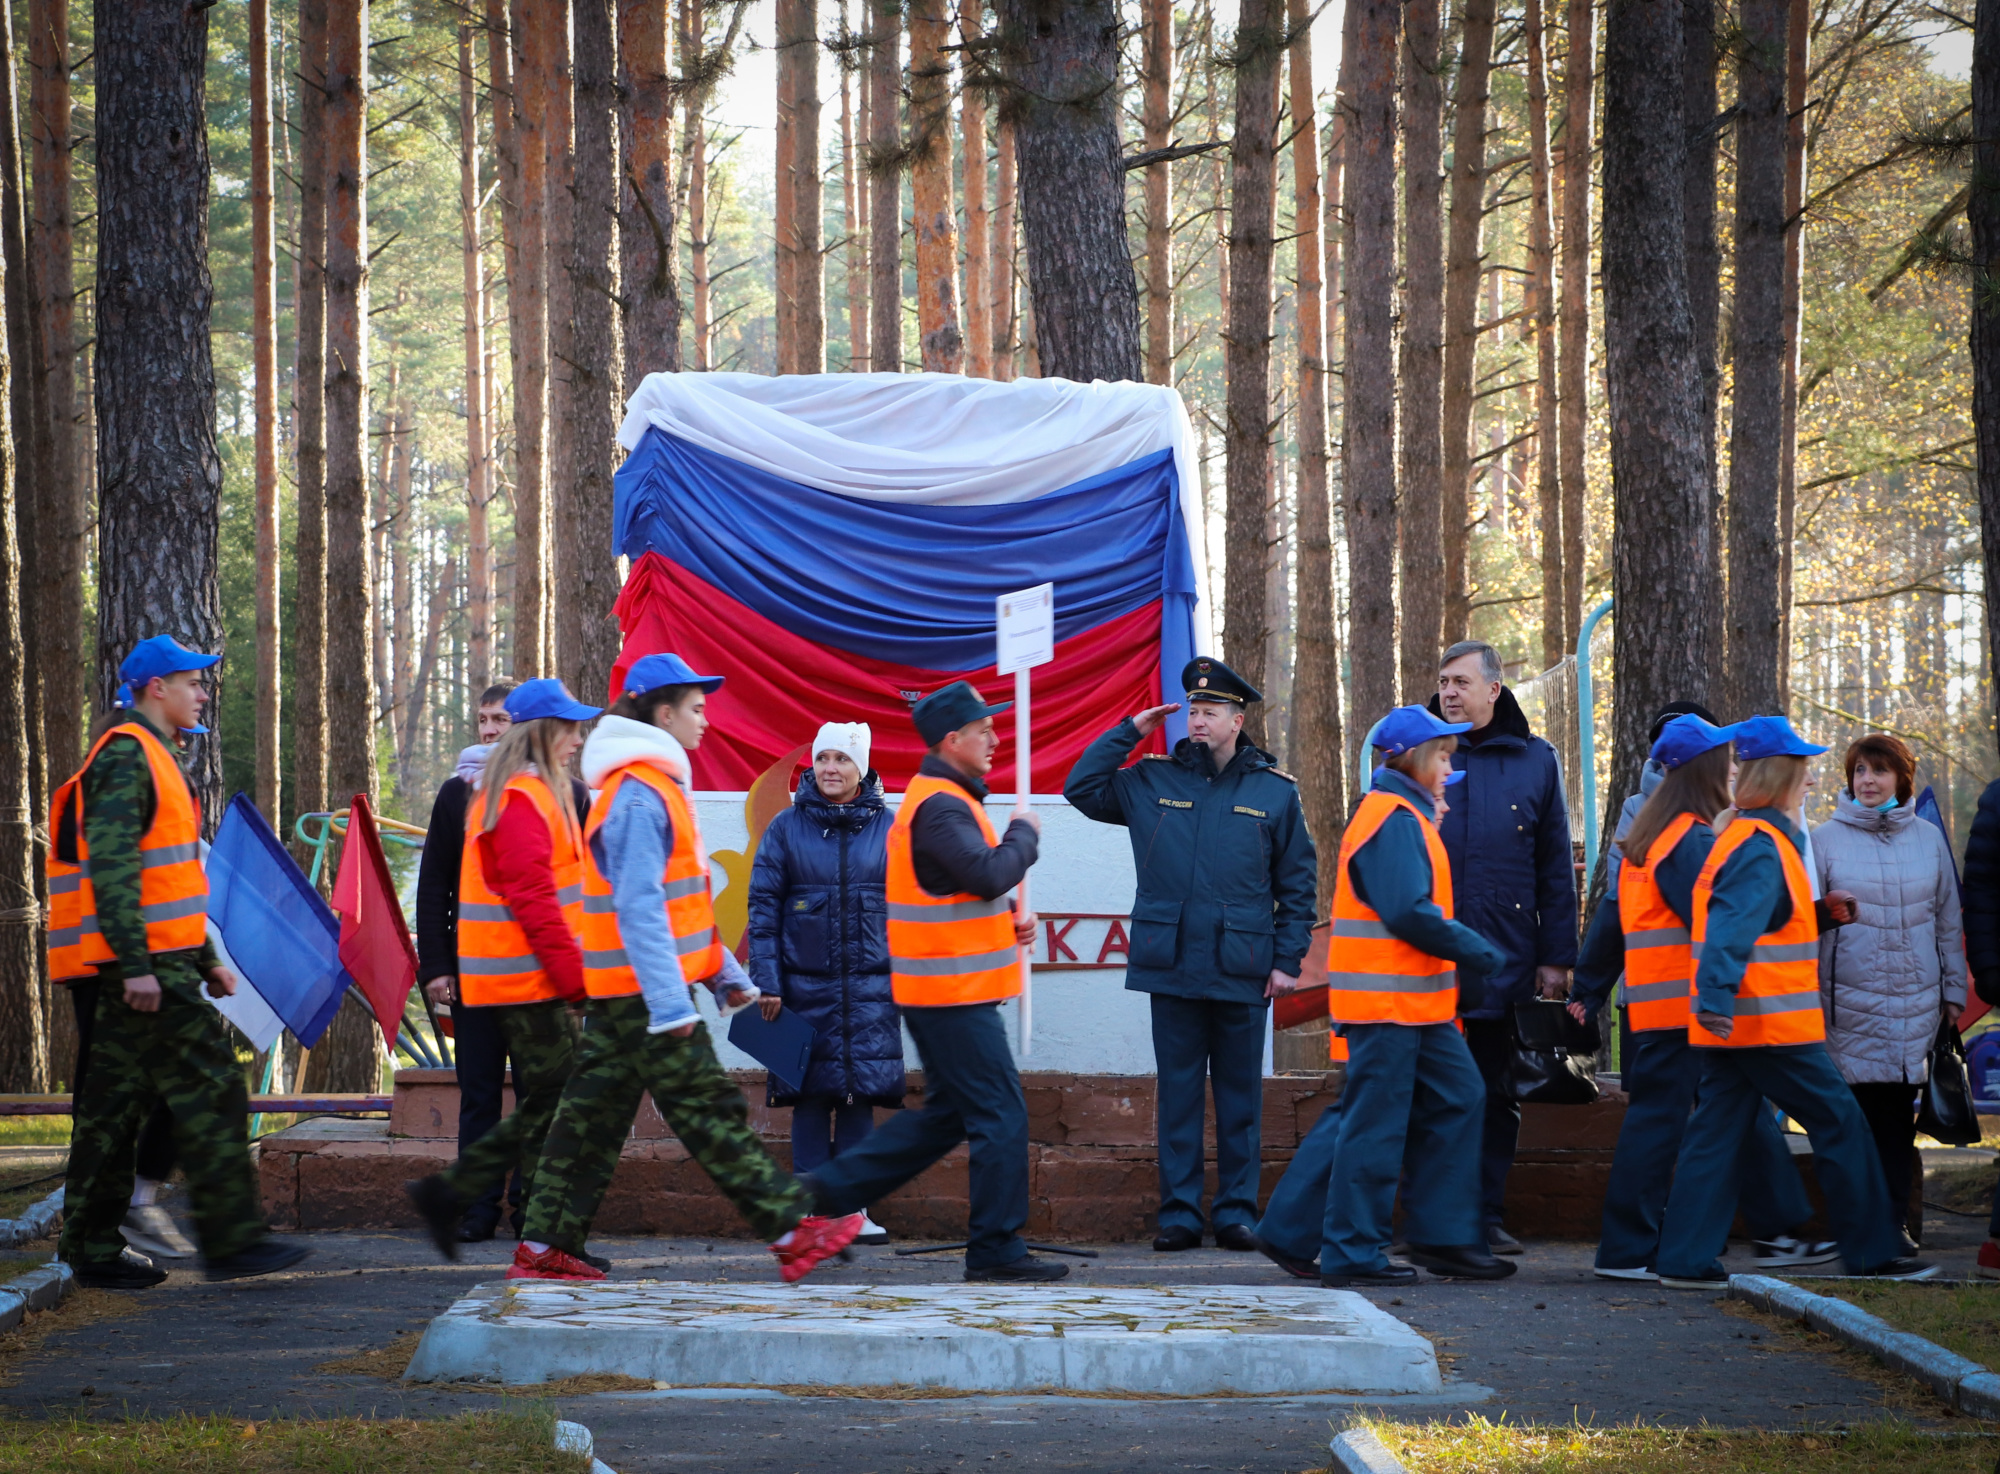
[
  {"x": 173, "y": 889},
  {"x": 1659, "y": 961},
  {"x": 1371, "y": 976},
  {"x": 945, "y": 950},
  {"x": 1778, "y": 1000},
  {"x": 690, "y": 905},
  {"x": 496, "y": 964}
]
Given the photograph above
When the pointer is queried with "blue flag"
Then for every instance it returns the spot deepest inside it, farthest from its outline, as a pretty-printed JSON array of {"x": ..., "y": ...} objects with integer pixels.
[
  {"x": 1927, "y": 808},
  {"x": 281, "y": 934}
]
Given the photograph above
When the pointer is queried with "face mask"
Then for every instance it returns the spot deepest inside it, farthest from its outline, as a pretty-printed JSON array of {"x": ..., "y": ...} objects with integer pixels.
[{"x": 1886, "y": 805}]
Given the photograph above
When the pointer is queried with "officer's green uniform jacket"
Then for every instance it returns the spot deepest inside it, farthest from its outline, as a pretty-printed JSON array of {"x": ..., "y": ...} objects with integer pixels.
[{"x": 1227, "y": 874}]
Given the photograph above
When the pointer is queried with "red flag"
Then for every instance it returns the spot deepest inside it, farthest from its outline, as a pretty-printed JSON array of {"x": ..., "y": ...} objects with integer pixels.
[{"x": 375, "y": 943}]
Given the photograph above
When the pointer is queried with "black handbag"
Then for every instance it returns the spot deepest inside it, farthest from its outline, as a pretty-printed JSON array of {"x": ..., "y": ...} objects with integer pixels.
[
  {"x": 1945, "y": 1112},
  {"x": 1554, "y": 1057}
]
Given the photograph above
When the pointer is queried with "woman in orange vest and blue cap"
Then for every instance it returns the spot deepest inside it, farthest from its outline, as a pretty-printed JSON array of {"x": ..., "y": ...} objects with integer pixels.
[
  {"x": 1758, "y": 1023},
  {"x": 1411, "y": 1105}
]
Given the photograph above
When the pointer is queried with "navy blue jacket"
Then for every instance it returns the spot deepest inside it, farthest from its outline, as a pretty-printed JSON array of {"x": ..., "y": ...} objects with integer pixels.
[
  {"x": 819, "y": 939},
  {"x": 1513, "y": 874},
  {"x": 1227, "y": 873},
  {"x": 1981, "y": 893}
]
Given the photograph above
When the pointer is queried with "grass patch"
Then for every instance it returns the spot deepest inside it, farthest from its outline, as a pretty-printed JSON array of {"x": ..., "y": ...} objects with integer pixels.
[
  {"x": 1483, "y": 1447},
  {"x": 1961, "y": 1318},
  {"x": 34, "y": 1130},
  {"x": 391, "y": 1361},
  {"x": 499, "y": 1442}
]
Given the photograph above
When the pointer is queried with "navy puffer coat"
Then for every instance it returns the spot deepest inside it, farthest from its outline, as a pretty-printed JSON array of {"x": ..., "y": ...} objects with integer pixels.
[{"x": 819, "y": 939}]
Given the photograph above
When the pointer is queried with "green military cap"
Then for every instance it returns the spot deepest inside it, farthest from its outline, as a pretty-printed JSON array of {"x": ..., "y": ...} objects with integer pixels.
[{"x": 1207, "y": 679}]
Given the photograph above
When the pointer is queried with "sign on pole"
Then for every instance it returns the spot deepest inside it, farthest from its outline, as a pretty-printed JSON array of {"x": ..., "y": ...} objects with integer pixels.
[{"x": 1025, "y": 627}]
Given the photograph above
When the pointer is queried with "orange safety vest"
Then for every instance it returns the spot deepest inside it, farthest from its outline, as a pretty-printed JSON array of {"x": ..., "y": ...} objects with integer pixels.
[
  {"x": 690, "y": 906},
  {"x": 1778, "y": 1000},
  {"x": 945, "y": 950},
  {"x": 495, "y": 962},
  {"x": 173, "y": 888},
  {"x": 1371, "y": 976},
  {"x": 1659, "y": 962}
]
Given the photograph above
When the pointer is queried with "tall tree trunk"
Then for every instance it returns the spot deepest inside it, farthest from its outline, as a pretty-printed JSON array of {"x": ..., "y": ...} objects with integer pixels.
[
  {"x": 972, "y": 161},
  {"x": 500, "y": 48},
  {"x": 586, "y": 570},
  {"x": 885, "y": 148},
  {"x": 264, "y": 360},
  {"x": 1422, "y": 365},
  {"x": 1757, "y": 349},
  {"x": 564, "y": 448},
  {"x": 1542, "y": 296},
  {"x": 784, "y": 235},
  {"x": 648, "y": 270},
  {"x": 696, "y": 133},
  {"x": 1660, "y": 529},
  {"x": 420, "y": 684},
  {"x": 528, "y": 338},
  {"x": 381, "y": 514},
  {"x": 1369, "y": 397},
  {"x": 854, "y": 204},
  {"x": 941, "y": 342},
  {"x": 1461, "y": 306},
  {"x": 1704, "y": 276},
  {"x": 1982, "y": 213},
  {"x": 309, "y": 705},
  {"x": 478, "y": 486},
  {"x": 1064, "y": 63},
  {"x": 1315, "y": 746},
  {"x": 1798, "y": 42},
  {"x": 1156, "y": 122},
  {"x": 1573, "y": 378},
  {"x": 401, "y": 520},
  {"x": 1006, "y": 326},
  {"x": 798, "y": 47}
]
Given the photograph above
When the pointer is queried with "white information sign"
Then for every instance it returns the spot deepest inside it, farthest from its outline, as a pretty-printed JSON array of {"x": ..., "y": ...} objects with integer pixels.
[{"x": 1026, "y": 624}]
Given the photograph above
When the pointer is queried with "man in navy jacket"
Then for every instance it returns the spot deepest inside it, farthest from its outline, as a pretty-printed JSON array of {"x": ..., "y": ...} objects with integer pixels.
[{"x": 1513, "y": 877}]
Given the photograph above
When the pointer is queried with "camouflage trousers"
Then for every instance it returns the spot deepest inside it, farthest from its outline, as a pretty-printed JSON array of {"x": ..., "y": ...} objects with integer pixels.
[
  {"x": 541, "y": 1050},
  {"x": 181, "y": 1056},
  {"x": 703, "y": 1107}
]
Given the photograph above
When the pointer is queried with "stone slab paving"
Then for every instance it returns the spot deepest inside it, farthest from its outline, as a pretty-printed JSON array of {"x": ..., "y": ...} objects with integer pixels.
[{"x": 1188, "y": 1341}]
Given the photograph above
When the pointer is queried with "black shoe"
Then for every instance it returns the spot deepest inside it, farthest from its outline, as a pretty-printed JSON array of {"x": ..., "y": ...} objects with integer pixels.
[
  {"x": 1298, "y": 1269},
  {"x": 480, "y": 1224},
  {"x": 1394, "y": 1276},
  {"x": 1899, "y": 1269},
  {"x": 439, "y": 1207},
  {"x": 131, "y": 1270},
  {"x": 267, "y": 1256},
  {"x": 1460, "y": 1261},
  {"x": 1174, "y": 1240},
  {"x": 1027, "y": 1270},
  {"x": 602, "y": 1266},
  {"x": 1236, "y": 1236}
]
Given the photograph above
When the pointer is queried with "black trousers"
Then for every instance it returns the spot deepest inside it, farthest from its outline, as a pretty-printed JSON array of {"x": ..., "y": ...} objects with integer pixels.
[
  {"x": 479, "y": 1048},
  {"x": 156, "y": 1156},
  {"x": 1491, "y": 1041},
  {"x": 1891, "y": 1110}
]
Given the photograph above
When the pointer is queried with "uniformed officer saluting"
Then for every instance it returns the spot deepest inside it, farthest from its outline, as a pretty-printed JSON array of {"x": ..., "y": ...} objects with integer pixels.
[{"x": 1220, "y": 925}]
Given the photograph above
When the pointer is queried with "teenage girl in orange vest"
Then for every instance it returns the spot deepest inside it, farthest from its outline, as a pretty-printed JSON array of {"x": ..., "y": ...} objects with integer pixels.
[
  {"x": 1411, "y": 1105},
  {"x": 520, "y": 909},
  {"x": 1757, "y": 1019}
]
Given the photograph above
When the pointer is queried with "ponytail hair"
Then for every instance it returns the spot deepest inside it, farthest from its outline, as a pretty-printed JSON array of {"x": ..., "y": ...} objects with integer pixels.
[{"x": 526, "y": 747}]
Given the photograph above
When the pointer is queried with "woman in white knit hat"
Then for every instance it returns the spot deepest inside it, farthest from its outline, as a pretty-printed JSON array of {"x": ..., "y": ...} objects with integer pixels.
[{"x": 819, "y": 940}]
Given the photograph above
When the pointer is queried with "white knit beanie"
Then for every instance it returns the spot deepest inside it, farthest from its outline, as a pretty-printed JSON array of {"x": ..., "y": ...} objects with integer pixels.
[{"x": 851, "y": 738}]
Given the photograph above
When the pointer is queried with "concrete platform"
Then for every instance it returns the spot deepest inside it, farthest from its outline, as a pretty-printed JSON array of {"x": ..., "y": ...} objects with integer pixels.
[{"x": 1186, "y": 1341}]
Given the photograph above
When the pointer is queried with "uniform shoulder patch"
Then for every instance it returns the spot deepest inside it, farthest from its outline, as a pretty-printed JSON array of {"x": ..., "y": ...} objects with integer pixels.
[{"x": 1281, "y": 773}]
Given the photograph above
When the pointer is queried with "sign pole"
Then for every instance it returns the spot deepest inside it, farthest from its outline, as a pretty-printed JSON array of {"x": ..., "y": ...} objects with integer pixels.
[
  {"x": 1024, "y": 637},
  {"x": 1023, "y": 783}
]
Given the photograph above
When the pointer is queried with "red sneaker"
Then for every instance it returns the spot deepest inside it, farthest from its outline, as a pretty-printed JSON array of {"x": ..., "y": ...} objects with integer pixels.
[
  {"x": 1988, "y": 1267},
  {"x": 550, "y": 1264},
  {"x": 815, "y": 1241}
]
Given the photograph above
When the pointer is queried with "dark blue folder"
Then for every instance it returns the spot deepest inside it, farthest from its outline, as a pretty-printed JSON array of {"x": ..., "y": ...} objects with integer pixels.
[{"x": 783, "y": 1046}]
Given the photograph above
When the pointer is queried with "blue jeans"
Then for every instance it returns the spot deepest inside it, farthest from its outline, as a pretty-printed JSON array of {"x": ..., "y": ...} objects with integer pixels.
[
  {"x": 1806, "y": 1086},
  {"x": 817, "y": 1116},
  {"x": 972, "y": 1093},
  {"x": 1197, "y": 1040}
]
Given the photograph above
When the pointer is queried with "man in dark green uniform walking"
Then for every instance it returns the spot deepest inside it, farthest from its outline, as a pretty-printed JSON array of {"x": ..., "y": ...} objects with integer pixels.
[{"x": 1220, "y": 925}]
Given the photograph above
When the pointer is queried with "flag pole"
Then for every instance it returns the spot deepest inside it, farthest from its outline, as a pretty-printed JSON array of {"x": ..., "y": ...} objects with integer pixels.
[{"x": 1023, "y": 783}]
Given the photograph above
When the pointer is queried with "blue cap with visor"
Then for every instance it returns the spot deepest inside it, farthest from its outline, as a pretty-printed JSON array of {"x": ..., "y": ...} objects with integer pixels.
[
  {"x": 160, "y": 656},
  {"x": 1686, "y": 738}
]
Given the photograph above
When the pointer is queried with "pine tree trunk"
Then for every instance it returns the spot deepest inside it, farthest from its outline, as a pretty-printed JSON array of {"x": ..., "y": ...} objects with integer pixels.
[
  {"x": 381, "y": 512},
  {"x": 1573, "y": 377},
  {"x": 1422, "y": 357},
  {"x": 1757, "y": 347},
  {"x": 528, "y": 334},
  {"x": 1369, "y": 415},
  {"x": 1006, "y": 326},
  {"x": 1704, "y": 274},
  {"x": 1461, "y": 306},
  {"x": 1542, "y": 294},
  {"x": 1156, "y": 123},
  {"x": 478, "y": 485},
  {"x": 648, "y": 268},
  {"x": 1315, "y": 744},
  {"x": 696, "y": 134},
  {"x": 1982, "y": 213},
  {"x": 350, "y": 612},
  {"x": 854, "y": 204},
  {"x": 1660, "y": 531},
  {"x": 801, "y": 270},
  {"x": 309, "y": 708},
  {"x": 264, "y": 360},
  {"x": 978, "y": 247},
  {"x": 941, "y": 341},
  {"x": 1798, "y": 43},
  {"x": 586, "y": 570},
  {"x": 885, "y": 146},
  {"x": 559, "y": 220},
  {"x": 784, "y": 234}
]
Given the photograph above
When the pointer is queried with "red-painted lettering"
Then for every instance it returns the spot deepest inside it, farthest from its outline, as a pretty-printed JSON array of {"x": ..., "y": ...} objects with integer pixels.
[
  {"x": 1058, "y": 948},
  {"x": 1114, "y": 941}
]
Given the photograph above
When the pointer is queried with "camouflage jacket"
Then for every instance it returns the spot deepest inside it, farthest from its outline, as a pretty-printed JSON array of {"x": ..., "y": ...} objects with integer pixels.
[{"x": 118, "y": 805}]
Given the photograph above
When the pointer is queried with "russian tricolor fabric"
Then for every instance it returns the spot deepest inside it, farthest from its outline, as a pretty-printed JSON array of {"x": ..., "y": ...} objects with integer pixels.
[{"x": 833, "y": 544}]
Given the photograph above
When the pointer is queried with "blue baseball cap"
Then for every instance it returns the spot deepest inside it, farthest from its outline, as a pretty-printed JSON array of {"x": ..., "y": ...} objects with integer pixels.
[
  {"x": 1685, "y": 738},
  {"x": 650, "y": 672},
  {"x": 1412, "y": 726},
  {"x": 1771, "y": 737},
  {"x": 159, "y": 656},
  {"x": 547, "y": 697}
]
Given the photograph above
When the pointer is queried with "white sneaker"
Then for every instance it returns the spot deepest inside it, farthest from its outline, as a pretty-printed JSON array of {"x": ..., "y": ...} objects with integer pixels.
[
  {"x": 871, "y": 1231},
  {"x": 151, "y": 1231},
  {"x": 1785, "y": 1252},
  {"x": 1638, "y": 1273}
]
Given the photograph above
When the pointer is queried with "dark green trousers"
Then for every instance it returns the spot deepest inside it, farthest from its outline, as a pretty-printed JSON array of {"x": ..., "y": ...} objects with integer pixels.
[
  {"x": 181, "y": 1056},
  {"x": 619, "y": 1062},
  {"x": 541, "y": 1044}
]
